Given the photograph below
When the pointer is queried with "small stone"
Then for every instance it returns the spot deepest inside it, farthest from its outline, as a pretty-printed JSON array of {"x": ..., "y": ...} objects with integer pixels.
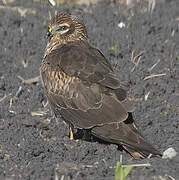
[
  {"x": 121, "y": 25},
  {"x": 169, "y": 153}
]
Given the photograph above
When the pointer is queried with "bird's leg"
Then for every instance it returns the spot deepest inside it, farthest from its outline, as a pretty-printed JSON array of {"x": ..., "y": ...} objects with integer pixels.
[
  {"x": 72, "y": 134},
  {"x": 80, "y": 134}
]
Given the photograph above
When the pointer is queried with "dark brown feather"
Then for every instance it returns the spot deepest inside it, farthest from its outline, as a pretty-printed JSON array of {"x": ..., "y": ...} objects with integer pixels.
[
  {"x": 82, "y": 87},
  {"x": 126, "y": 134}
]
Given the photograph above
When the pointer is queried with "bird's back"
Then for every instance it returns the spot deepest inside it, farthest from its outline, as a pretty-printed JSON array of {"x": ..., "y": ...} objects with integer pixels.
[{"x": 83, "y": 88}]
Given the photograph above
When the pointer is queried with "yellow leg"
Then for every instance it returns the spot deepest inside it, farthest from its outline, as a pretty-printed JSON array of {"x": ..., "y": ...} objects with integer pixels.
[{"x": 72, "y": 136}]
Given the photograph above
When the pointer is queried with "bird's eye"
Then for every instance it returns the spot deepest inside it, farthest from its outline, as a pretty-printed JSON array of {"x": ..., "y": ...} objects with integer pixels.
[{"x": 63, "y": 28}]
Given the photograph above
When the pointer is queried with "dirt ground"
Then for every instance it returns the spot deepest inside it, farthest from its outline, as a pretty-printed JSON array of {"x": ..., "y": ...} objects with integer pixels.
[{"x": 34, "y": 145}]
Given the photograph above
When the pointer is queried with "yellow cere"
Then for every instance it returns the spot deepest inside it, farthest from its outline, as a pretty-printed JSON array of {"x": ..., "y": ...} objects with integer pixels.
[{"x": 50, "y": 30}]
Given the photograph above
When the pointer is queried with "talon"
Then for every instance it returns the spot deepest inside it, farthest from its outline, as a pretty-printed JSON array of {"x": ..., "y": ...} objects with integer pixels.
[{"x": 72, "y": 135}]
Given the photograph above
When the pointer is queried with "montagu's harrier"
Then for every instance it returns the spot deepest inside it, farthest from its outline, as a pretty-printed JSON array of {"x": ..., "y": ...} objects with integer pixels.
[{"x": 82, "y": 87}]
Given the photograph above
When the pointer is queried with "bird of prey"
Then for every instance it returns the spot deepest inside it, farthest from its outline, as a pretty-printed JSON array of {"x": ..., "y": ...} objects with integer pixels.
[{"x": 82, "y": 87}]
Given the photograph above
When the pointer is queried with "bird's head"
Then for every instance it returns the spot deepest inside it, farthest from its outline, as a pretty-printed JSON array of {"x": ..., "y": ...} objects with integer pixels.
[{"x": 66, "y": 28}]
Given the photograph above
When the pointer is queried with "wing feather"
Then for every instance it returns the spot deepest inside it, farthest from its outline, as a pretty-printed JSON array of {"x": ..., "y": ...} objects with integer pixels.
[
  {"x": 93, "y": 97},
  {"x": 88, "y": 64}
]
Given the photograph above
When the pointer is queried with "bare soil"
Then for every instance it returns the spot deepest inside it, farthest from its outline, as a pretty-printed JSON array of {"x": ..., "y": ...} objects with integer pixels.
[{"x": 35, "y": 145}]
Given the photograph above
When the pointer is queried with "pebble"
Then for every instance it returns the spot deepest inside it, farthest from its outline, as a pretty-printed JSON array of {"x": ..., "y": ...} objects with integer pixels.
[{"x": 169, "y": 153}]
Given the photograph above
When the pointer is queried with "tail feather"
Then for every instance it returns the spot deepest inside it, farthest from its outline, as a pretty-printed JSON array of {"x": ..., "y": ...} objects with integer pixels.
[{"x": 127, "y": 135}]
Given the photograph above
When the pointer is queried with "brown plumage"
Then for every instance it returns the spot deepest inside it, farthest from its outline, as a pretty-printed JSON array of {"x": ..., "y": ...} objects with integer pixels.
[{"x": 82, "y": 87}]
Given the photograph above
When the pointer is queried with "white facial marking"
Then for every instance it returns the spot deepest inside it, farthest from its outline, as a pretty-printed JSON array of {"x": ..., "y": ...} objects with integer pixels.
[{"x": 58, "y": 28}]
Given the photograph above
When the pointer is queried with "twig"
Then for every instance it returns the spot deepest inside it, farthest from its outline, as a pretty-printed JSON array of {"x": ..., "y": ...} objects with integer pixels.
[
  {"x": 154, "y": 75},
  {"x": 38, "y": 113},
  {"x": 151, "y": 5},
  {"x": 11, "y": 101},
  {"x": 120, "y": 158},
  {"x": 146, "y": 96},
  {"x": 150, "y": 69},
  {"x": 52, "y": 2},
  {"x": 170, "y": 177},
  {"x": 29, "y": 81},
  {"x": 138, "y": 165},
  {"x": 88, "y": 166},
  {"x": 136, "y": 60},
  {"x": 18, "y": 92},
  {"x": 44, "y": 104},
  {"x": 133, "y": 165},
  {"x": 25, "y": 63},
  {"x": 132, "y": 55},
  {"x": 149, "y": 156},
  {"x": 62, "y": 177},
  {"x": 4, "y": 97},
  {"x": 56, "y": 176}
]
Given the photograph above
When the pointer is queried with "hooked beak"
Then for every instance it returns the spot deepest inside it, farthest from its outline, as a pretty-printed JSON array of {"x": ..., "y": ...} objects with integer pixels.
[{"x": 49, "y": 33}]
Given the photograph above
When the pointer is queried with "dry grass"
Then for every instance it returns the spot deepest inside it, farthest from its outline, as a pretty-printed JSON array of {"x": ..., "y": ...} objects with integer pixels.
[
  {"x": 154, "y": 75},
  {"x": 29, "y": 81}
]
